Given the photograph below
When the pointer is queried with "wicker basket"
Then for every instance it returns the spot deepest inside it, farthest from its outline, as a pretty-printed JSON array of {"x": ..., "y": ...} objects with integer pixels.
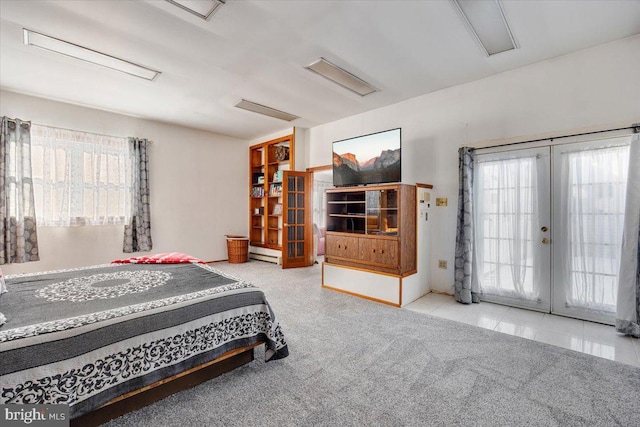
[{"x": 237, "y": 248}]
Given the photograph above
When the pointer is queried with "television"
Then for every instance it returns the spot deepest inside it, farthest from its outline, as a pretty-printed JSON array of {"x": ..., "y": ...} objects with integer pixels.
[{"x": 367, "y": 159}]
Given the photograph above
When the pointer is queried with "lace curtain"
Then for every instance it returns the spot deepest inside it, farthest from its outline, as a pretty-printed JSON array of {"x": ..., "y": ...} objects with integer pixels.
[
  {"x": 595, "y": 182},
  {"x": 80, "y": 178},
  {"x": 17, "y": 213},
  {"x": 506, "y": 212}
]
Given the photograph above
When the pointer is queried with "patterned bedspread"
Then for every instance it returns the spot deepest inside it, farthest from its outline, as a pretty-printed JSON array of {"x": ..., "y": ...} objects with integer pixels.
[{"x": 86, "y": 336}]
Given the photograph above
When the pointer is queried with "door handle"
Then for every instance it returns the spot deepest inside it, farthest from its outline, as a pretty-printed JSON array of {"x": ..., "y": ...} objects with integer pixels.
[{"x": 544, "y": 240}]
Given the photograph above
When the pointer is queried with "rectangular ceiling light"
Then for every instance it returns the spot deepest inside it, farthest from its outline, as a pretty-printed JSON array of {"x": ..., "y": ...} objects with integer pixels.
[
  {"x": 201, "y": 8},
  {"x": 267, "y": 111},
  {"x": 344, "y": 78},
  {"x": 488, "y": 24},
  {"x": 62, "y": 47}
]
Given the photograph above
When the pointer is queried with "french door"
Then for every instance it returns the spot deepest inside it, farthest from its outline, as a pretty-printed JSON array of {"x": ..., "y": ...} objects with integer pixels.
[
  {"x": 513, "y": 255},
  {"x": 296, "y": 235},
  {"x": 549, "y": 227},
  {"x": 588, "y": 208}
]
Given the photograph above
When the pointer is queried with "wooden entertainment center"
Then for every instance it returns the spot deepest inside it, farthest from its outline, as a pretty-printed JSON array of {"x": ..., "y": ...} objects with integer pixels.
[
  {"x": 372, "y": 227},
  {"x": 374, "y": 233}
]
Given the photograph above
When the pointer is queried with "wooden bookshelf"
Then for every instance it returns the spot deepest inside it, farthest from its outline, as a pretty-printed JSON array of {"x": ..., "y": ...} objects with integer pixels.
[{"x": 268, "y": 160}]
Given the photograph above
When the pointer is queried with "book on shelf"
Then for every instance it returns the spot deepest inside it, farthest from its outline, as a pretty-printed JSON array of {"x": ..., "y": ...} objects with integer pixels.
[
  {"x": 275, "y": 190},
  {"x": 257, "y": 192},
  {"x": 277, "y": 176}
]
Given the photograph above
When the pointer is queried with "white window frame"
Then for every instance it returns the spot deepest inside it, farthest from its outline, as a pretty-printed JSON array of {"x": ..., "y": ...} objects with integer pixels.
[{"x": 80, "y": 178}]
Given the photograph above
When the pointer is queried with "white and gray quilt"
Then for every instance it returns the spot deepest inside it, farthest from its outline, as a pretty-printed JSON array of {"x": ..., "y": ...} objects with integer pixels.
[{"x": 85, "y": 336}]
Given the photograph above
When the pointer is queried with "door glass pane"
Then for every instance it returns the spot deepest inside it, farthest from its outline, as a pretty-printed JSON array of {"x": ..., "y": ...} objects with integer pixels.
[
  {"x": 596, "y": 182},
  {"x": 507, "y": 197}
]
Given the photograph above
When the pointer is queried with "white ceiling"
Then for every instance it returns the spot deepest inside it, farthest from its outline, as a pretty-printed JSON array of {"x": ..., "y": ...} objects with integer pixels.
[{"x": 257, "y": 50}]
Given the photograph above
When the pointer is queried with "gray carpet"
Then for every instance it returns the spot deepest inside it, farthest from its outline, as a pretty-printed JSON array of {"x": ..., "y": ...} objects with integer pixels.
[{"x": 356, "y": 362}]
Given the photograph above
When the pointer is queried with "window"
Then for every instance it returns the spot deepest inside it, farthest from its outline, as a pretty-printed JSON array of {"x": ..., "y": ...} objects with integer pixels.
[{"x": 79, "y": 178}]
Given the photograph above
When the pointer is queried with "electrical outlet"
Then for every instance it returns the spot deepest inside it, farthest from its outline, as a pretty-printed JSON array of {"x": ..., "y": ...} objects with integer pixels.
[
  {"x": 441, "y": 201},
  {"x": 442, "y": 264}
]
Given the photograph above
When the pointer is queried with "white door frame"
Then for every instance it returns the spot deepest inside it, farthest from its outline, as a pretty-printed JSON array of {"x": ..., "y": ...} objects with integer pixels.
[
  {"x": 541, "y": 251},
  {"x": 561, "y": 245}
]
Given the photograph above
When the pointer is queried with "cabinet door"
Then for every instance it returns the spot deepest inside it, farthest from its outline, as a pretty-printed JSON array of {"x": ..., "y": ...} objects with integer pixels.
[
  {"x": 379, "y": 251},
  {"x": 341, "y": 246}
]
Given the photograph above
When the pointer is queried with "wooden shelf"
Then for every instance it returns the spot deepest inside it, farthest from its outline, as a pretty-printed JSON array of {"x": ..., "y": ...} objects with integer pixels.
[
  {"x": 263, "y": 162},
  {"x": 380, "y": 238}
]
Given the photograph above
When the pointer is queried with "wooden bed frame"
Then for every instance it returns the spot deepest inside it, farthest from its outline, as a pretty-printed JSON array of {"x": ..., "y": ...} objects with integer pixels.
[{"x": 159, "y": 390}]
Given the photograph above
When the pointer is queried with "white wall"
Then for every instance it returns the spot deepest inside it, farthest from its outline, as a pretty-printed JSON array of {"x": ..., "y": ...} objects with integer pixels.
[
  {"x": 594, "y": 87},
  {"x": 198, "y": 183}
]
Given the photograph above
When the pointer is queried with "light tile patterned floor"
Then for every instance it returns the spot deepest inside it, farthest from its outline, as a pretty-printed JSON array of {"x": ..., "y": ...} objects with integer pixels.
[{"x": 587, "y": 337}]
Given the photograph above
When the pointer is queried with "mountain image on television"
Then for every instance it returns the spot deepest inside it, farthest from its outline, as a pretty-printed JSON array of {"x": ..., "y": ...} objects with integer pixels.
[{"x": 368, "y": 159}]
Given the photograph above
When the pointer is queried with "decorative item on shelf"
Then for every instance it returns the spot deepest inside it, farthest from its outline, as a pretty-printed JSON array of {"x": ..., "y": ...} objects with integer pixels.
[
  {"x": 277, "y": 209},
  {"x": 282, "y": 153},
  {"x": 258, "y": 178},
  {"x": 277, "y": 176}
]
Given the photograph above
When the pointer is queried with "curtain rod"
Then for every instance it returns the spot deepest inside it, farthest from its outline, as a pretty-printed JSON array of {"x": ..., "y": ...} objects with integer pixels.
[
  {"x": 635, "y": 127},
  {"x": 74, "y": 130}
]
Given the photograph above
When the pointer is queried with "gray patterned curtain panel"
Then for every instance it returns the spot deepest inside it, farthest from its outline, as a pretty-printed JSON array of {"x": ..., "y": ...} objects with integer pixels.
[
  {"x": 137, "y": 232},
  {"x": 464, "y": 287},
  {"x": 628, "y": 304},
  {"x": 17, "y": 212}
]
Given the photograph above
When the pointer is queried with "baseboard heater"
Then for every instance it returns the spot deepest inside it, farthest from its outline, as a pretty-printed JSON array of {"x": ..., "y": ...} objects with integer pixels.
[{"x": 268, "y": 258}]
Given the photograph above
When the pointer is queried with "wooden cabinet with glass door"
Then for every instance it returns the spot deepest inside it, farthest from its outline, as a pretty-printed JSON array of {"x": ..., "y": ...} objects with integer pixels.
[{"x": 372, "y": 228}]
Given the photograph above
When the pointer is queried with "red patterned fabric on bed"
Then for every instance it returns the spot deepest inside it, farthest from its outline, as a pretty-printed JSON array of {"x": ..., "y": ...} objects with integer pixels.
[{"x": 162, "y": 258}]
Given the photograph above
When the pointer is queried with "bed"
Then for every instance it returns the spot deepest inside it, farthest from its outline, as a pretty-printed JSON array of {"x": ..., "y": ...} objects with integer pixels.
[{"x": 93, "y": 336}]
